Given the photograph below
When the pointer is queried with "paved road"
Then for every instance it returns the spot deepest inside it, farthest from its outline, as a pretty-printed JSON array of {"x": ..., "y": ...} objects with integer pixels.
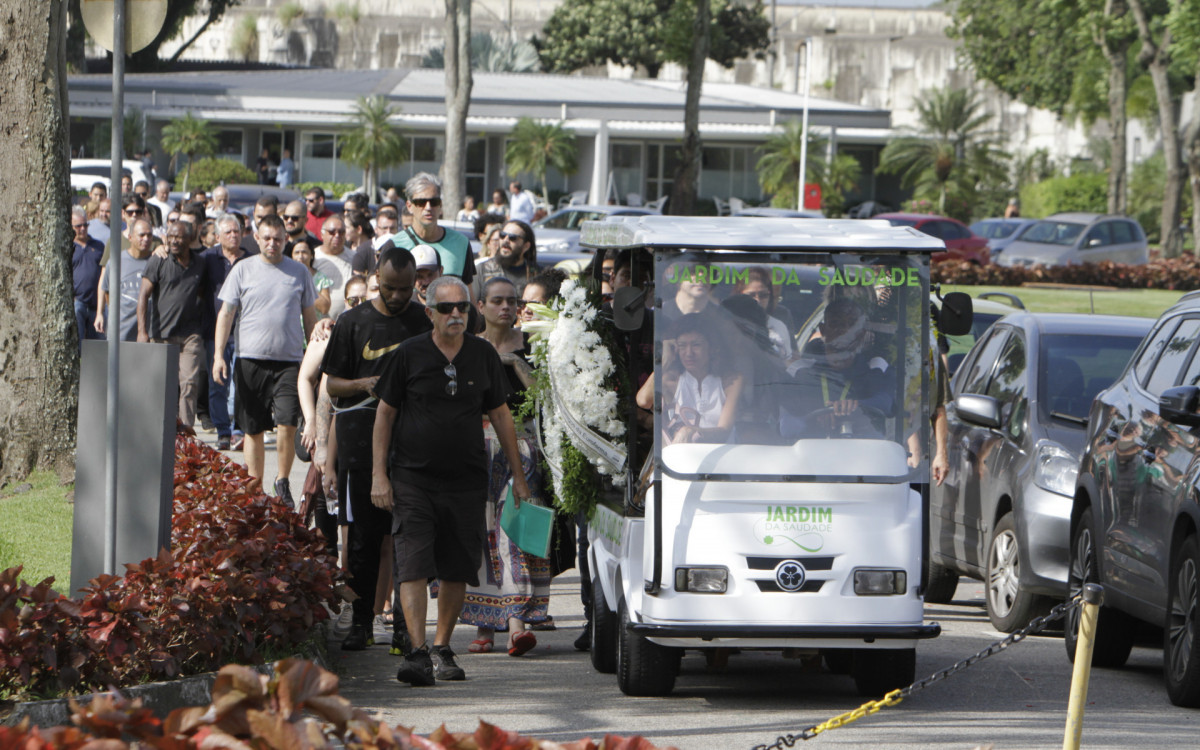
[{"x": 1016, "y": 699}]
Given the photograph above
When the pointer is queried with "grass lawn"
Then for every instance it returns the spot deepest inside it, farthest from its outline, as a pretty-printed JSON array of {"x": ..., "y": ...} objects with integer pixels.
[
  {"x": 36, "y": 531},
  {"x": 1144, "y": 303}
]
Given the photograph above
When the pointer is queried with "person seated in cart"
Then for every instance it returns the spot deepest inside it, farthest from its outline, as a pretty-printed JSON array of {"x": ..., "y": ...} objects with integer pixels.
[
  {"x": 701, "y": 395},
  {"x": 839, "y": 379}
]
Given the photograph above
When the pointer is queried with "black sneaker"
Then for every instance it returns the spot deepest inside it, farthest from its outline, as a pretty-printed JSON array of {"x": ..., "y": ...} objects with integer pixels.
[
  {"x": 223, "y": 443},
  {"x": 401, "y": 644},
  {"x": 359, "y": 638},
  {"x": 417, "y": 668},
  {"x": 584, "y": 641},
  {"x": 283, "y": 490},
  {"x": 444, "y": 666}
]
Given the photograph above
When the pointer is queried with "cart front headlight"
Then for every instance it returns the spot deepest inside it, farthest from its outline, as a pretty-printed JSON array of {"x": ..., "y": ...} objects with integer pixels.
[
  {"x": 701, "y": 580},
  {"x": 880, "y": 582}
]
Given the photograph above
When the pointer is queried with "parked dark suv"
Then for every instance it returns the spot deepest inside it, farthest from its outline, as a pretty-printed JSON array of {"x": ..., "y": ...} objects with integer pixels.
[{"x": 1135, "y": 521}]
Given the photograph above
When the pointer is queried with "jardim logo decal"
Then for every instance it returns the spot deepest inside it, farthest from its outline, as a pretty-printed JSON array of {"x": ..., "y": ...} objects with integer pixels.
[{"x": 800, "y": 526}]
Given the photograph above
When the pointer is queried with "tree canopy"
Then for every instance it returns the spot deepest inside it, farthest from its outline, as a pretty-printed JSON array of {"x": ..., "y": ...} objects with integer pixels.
[
  {"x": 646, "y": 33},
  {"x": 534, "y": 147},
  {"x": 373, "y": 142}
]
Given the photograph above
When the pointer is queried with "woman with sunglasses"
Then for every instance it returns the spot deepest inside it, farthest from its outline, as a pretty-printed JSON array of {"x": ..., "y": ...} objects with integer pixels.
[
  {"x": 304, "y": 254},
  {"x": 514, "y": 586}
]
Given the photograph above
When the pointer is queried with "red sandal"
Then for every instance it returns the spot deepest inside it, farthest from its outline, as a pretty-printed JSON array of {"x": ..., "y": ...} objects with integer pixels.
[
  {"x": 481, "y": 646},
  {"x": 521, "y": 642}
]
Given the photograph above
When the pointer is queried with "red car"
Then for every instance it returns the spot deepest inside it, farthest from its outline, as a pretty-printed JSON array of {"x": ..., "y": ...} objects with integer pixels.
[{"x": 961, "y": 242}]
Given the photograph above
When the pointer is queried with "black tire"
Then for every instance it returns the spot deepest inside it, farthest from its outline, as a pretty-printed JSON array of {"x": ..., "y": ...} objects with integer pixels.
[
  {"x": 839, "y": 660},
  {"x": 643, "y": 668},
  {"x": 1181, "y": 641},
  {"x": 1009, "y": 606},
  {"x": 942, "y": 582},
  {"x": 604, "y": 632},
  {"x": 1115, "y": 630},
  {"x": 877, "y": 672}
]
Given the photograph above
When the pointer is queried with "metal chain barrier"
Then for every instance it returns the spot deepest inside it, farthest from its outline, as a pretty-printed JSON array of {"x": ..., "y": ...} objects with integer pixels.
[{"x": 1035, "y": 625}]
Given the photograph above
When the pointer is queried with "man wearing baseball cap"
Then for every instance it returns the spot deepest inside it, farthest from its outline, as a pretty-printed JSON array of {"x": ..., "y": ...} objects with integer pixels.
[{"x": 429, "y": 267}]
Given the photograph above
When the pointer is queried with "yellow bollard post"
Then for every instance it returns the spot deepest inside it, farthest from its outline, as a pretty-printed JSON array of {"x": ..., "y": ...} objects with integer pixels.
[{"x": 1093, "y": 597}]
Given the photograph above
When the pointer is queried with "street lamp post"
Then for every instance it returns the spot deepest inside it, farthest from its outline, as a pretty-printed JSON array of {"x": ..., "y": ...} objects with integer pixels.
[{"x": 804, "y": 121}]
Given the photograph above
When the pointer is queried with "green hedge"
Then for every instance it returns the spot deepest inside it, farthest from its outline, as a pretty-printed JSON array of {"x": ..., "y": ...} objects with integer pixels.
[
  {"x": 206, "y": 174},
  {"x": 333, "y": 190},
  {"x": 1080, "y": 192}
]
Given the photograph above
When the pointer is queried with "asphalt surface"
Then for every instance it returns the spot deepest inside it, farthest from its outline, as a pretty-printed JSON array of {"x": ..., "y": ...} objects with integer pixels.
[{"x": 1016, "y": 699}]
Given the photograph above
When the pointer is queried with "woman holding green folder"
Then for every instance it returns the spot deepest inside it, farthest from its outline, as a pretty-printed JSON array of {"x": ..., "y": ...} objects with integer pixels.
[{"x": 514, "y": 586}]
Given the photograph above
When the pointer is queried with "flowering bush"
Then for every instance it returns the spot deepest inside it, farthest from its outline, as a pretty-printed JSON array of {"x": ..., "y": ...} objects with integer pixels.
[
  {"x": 1178, "y": 274},
  {"x": 243, "y": 576},
  {"x": 298, "y": 707}
]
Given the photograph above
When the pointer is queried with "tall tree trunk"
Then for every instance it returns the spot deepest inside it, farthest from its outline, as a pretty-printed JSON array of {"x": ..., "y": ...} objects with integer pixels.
[
  {"x": 1191, "y": 151},
  {"x": 1116, "y": 53},
  {"x": 1156, "y": 56},
  {"x": 39, "y": 361},
  {"x": 458, "y": 100},
  {"x": 683, "y": 191}
]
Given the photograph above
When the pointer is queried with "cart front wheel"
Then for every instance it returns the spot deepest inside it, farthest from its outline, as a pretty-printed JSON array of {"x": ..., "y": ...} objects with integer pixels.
[{"x": 643, "y": 668}]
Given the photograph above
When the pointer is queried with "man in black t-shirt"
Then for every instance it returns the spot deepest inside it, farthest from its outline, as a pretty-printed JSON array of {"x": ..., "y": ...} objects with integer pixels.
[
  {"x": 176, "y": 285},
  {"x": 432, "y": 398},
  {"x": 362, "y": 343}
]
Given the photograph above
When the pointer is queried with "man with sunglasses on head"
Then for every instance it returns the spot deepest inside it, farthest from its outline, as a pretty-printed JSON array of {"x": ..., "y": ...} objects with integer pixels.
[
  {"x": 294, "y": 215},
  {"x": 428, "y": 422},
  {"x": 424, "y": 193},
  {"x": 363, "y": 342},
  {"x": 515, "y": 260}
]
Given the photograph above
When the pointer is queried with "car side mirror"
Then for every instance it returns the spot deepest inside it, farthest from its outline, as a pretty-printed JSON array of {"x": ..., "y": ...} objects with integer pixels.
[
  {"x": 1180, "y": 405},
  {"x": 629, "y": 308},
  {"x": 978, "y": 410},
  {"x": 956, "y": 315}
]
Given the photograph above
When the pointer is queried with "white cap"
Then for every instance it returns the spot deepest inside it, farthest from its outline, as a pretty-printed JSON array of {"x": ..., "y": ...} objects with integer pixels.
[{"x": 426, "y": 256}]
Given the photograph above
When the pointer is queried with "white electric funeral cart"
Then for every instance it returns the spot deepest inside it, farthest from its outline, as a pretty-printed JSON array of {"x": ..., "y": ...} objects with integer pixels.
[{"x": 796, "y": 522}]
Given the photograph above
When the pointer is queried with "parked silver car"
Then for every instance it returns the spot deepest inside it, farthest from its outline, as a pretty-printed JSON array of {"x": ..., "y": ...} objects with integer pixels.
[
  {"x": 558, "y": 234},
  {"x": 1064, "y": 239},
  {"x": 1016, "y": 431},
  {"x": 1000, "y": 232}
]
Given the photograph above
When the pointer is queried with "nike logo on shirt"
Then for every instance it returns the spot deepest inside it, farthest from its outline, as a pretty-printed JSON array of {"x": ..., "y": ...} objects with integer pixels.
[{"x": 370, "y": 354}]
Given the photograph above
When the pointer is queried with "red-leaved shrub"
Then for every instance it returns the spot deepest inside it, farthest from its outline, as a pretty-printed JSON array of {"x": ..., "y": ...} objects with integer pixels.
[
  {"x": 243, "y": 577},
  {"x": 1178, "y": 274}
]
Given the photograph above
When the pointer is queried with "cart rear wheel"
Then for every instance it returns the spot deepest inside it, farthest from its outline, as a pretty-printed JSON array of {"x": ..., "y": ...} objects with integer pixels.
[
  {"x": 604, "y": 632},
  {"x": 643, "y": 668},
  {"x": 877, "y": 672}
]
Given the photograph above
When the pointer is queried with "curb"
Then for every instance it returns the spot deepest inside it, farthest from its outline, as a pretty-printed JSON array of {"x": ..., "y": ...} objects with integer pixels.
[{"x": 160, "y": 697}]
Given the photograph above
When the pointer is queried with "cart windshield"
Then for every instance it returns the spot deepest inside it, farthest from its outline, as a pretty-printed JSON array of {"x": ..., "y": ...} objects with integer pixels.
[{"x": 761, "y": 352}]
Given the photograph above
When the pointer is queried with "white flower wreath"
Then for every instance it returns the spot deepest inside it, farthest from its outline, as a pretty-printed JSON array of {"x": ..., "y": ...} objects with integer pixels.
[{"x": 580, "y": 406}]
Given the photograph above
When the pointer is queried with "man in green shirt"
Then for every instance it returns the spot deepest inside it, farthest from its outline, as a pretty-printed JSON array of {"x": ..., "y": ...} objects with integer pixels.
[{"x": 424, "y": 201}]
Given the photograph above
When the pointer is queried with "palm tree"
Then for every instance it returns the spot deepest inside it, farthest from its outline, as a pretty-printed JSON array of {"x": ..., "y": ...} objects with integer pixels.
[
  {"x": 779, "y": 166},
  {"x": 373, "y": 143},
  {"x": 535, "y": 147},
  {"x": 191, "y": 137},
  {"x": 952, "y": 148}
]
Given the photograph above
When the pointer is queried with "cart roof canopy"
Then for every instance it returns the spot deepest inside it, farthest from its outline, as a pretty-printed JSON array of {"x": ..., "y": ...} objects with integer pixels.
[{"x": 749, "y": 233}]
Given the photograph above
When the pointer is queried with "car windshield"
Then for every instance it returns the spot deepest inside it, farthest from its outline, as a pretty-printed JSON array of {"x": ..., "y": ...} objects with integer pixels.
[
  {"x": 784, "y": 349},
  {"x": 1050, "y": 232},
  {"x": 569, "y": 219},
  {"x": 994, "y": 230},
  {"x": 1076, "y": 367}
]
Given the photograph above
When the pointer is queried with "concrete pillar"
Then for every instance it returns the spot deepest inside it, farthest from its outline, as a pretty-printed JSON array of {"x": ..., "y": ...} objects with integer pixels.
[{"x": 598, "y": 194}]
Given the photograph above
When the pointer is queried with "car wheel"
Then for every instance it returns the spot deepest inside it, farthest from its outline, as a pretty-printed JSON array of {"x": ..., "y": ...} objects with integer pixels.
[
  {"x": 1008, "y": 605},
  {"x": 942, "y": 583},
  {"x": 643, "y": 668},
  {"x": 1114, "y": 629},
  {"x": 877, "y": 672},
  {"x": 604, "y": 632},
  {"x": 1181, "y": 646}
]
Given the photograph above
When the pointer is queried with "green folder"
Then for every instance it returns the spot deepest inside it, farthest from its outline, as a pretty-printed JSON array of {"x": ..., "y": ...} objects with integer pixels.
[{"x": 529, "y": 526}]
